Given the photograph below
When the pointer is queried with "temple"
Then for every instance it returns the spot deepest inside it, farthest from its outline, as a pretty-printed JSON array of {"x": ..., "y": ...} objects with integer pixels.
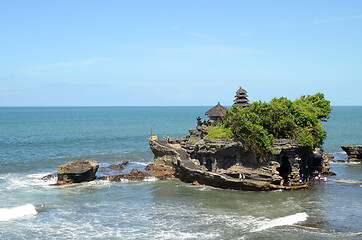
[
  {"x": 241, "y": 98},
  {"x": 216, "y": 113},
  {"x": 232, "y": 164}
]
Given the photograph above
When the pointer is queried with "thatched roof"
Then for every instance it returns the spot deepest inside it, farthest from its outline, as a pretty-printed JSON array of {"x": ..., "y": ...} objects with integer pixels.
[
  {"x": 216, "y": 111},
  {"x": 241, "y": 95},
  {"x": 241, "y": 100},
  {"x": 241, "y": 90},
  {"x": 242, "y": 104}
]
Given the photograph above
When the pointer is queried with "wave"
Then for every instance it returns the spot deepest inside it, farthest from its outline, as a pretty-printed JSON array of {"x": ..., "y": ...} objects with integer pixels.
[
  {"x": 18, "y": 181},
  {"x": 7, "y": 214},
  {"x": 288, "y": 220},
  {"x": 346, "y": 181}
]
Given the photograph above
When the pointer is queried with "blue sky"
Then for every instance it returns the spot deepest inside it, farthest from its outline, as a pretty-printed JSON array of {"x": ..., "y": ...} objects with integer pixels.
[{"x": 178, "y": 53}]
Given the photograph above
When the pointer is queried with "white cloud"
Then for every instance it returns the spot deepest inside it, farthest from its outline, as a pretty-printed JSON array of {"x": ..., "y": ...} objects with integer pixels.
[
  {"x": 213, "y": 50},
  {"x": 243, "y": 34},
  {"x": 84, "y": 62},
  {"x": 340, "y": 19},
  {"x": 6, "y": 91},
  {"x": 200, "y": 35}
]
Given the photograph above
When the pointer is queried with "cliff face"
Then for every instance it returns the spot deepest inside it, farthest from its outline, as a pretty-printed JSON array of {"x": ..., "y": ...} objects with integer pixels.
[
  {"x": 354, "y": 152},
  {"x": 209, "y": 159}
]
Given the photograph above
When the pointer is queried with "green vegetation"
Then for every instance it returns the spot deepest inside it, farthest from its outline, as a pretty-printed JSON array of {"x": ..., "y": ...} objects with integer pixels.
[
  {"x": 220, "y": 132},
  {"x": 259, "y": 124}
]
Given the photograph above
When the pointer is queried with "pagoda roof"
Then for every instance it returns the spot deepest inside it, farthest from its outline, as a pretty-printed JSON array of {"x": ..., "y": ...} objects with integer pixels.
[
  {"x": 241, "y": 100},
  {"x": 241, "y": 95},
  {"x": 241, "y": 90},
  {"x": 216, "y": 111},
  {"x": 242, "y": 104}
]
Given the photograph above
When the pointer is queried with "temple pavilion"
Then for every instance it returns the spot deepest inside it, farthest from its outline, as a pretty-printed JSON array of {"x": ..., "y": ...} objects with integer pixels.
[
  {"x": 241, "y": 98},
  {"x": 216, "y": 113}
]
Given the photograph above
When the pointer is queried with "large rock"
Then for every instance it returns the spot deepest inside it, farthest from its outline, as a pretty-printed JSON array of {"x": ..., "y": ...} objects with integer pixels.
[
  {"x": 165, "y": 157},
  {"x": 354, "y": 152},
  {"x": 219, "y": 163},
  {"x": 77, "y": 171}
]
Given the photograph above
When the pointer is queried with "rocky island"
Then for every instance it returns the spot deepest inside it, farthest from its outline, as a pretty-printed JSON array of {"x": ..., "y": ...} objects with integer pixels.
[
  {"x": 208, "y": 156},
  {"x": 254, "y": 147}
]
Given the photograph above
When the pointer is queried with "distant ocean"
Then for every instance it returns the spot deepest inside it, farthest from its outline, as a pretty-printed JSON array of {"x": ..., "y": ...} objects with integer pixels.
[{"x": 35, "y": 141}]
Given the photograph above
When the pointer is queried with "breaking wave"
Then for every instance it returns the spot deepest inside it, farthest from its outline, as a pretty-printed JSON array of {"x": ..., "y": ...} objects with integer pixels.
[
  {"x": 288, "y": 220},
  {"x": 346, "y": 181},
  {"x": 7, "y": 214}
]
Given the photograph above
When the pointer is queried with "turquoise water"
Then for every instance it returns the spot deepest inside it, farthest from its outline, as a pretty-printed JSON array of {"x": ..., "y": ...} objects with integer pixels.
[{"x": 35, "y": 141}]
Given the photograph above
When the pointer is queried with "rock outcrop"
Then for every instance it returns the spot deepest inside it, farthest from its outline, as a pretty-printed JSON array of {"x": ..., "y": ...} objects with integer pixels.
[
  {"x": 221, "y": 163},
  {"x": 354, "y": 152},
  {"x": 77, "y": 172},
  {"x": 257, "y": 178},
  {"x": 118, "y": 167},
  {"x": 134, "y": 175}
]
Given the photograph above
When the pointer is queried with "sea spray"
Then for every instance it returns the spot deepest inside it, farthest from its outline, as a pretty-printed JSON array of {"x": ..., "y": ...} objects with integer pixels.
[
  {"x": 7, "y": 214},
  {"x": 288, "y": 220}
]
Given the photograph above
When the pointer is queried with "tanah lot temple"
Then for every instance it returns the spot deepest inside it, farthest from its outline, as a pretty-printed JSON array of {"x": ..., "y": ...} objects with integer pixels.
[
  {"x": 217, "y": 112},
  {"x": 230, "y": 164}
]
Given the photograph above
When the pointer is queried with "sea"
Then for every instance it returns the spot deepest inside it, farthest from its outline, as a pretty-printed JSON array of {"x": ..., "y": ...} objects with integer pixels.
[{"x": 34, "y": 141}]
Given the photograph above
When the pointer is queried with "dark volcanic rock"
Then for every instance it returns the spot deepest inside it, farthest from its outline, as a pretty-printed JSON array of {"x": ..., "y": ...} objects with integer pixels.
[
  {"x": 150, "y": 168},
  {"x": 118, "y": 167},
  {"x": 137, "y": 174},
  {"x": 48, "y": 177},
  {"x": 134, "y": 175},
  {"x": 77, "y": 171},
  {"x": 159, "y": 173},
  {"x": 220, "y": 163},
  {"x": 354, "y": 152}
]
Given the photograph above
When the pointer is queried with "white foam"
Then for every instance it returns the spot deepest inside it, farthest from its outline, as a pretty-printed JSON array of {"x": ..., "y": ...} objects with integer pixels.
[
  {"x": 17, "y": 181},
  {"x": 150, "y": 179},
  {"x": 346, "y": 181},
  {"x": 7, "y": 214},
  {"x": 140, "y": 163},
  {"x": 353, "y": 163},
  {"x": 288, "y": 220}
]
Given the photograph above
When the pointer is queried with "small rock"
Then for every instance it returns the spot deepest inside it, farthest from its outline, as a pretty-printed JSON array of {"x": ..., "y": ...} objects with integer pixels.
[
  {"x": 134, "y": 175},
  {"x": 48, "y": 177},
  {"x": 196, "y": 183},
  {"x": 118, "y": 167}
]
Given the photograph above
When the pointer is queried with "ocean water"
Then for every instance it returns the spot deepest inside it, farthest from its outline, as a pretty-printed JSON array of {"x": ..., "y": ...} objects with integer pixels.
[{"x": 35, "y": 141}]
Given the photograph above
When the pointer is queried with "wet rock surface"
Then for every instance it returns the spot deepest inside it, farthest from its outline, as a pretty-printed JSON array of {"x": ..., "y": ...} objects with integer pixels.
[
  {"x": 134, "y": 175},
  {"x": 48, "y": 177},
  {"x": 77, "y": 172},
  {"x": 118, "y": 167},
  {"x": 354, "y": 152},
  {"x": 220, "y": 163}
]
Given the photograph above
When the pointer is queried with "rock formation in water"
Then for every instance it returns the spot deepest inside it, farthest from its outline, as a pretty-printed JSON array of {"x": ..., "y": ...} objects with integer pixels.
[
  {"x": 77, "y": 171},
  {"x": 225, "y": 163},
  {"x": 354, "y": 152},
  {"x": 255, "y": 157}
]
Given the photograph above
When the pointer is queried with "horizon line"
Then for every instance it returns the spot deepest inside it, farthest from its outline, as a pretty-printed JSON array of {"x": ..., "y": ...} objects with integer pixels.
[{"x": 70, "y": 106}]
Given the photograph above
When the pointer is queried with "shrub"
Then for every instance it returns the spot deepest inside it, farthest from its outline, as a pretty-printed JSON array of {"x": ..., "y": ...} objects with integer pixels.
[{"x": 219, "y": 132}]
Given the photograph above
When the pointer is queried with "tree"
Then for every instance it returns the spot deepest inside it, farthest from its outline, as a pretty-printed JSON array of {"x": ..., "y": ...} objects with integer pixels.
[{"x": 259, "y": 124}]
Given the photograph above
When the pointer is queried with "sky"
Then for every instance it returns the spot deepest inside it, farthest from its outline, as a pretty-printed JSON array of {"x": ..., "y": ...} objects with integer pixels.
[{"x": 178, "y": 53}]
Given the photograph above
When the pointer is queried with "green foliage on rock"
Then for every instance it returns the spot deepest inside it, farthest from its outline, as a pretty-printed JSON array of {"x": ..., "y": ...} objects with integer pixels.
[
  {"x": 220, "y": 132},
  {"x": 259, "y": 124}
]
